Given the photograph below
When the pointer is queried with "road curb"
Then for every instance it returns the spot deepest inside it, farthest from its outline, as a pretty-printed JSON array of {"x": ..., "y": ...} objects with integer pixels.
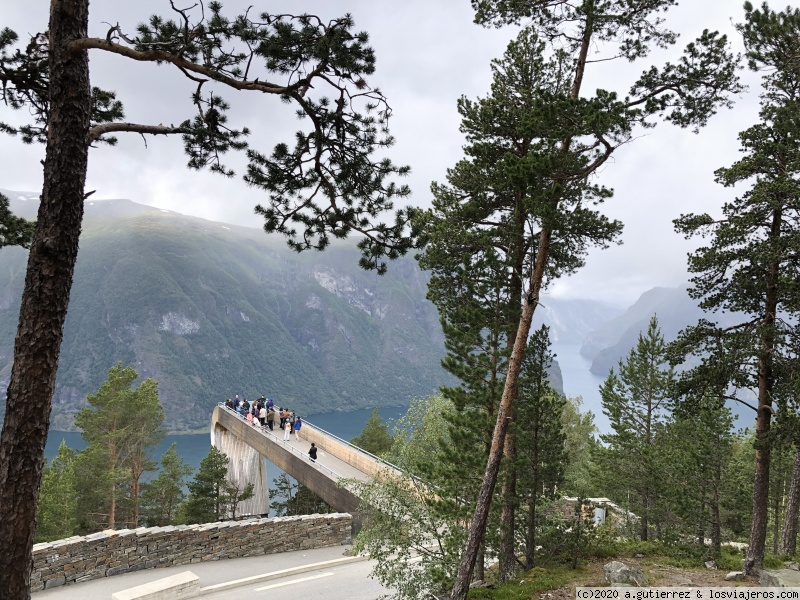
[{"x": 281, "y": 573}]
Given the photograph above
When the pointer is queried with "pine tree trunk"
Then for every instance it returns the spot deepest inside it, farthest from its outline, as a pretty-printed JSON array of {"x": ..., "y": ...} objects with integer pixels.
[
  {"x": 789, "y": 537},
  {"x": 507, "y": 551},
  {"x": 530, "y": 535},
  {"x": 51, "y": 263},
  {"x": 716, "y": 519},
  {"x": 754, "y": 560},
  {"x": 480, "y": 517},
  {"x": 776, "y": 514}
]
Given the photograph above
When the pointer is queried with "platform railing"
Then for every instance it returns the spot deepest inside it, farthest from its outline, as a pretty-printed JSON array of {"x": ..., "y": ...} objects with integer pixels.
[{"x": 267, "y": 433}]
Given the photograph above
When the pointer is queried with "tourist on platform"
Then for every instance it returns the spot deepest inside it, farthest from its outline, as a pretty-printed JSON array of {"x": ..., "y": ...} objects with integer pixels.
[
  {"x": 287, "y": 429},
  {"x": 262, "y": 416},
  {"x": 297, "y": 425},
  {"x": 270, "y": 418},
  {"x": 312, "y": 452},
  {"x": 229, "y": 403},
  {"x": 281, "y": 417}
]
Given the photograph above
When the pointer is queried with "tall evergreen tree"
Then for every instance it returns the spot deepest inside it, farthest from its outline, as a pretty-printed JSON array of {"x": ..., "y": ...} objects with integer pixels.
[
  {"x": 161, "y": 497},
  {"x": 212, "y": 496},
  {"x": 292, "y": 498},
  {"x": 539, "y": 431},
  {"x": 570, "y": 136},
  {"x": 328, "y": 184},
  {"x": 57, "y": 515},
  {"x": 697, "y": 449},
  {"x": 122, "y": 427},
  {"x": 375, "y": 437},
  {"x": 750, "y": 265},
  {"x": 637, "y": 403}
]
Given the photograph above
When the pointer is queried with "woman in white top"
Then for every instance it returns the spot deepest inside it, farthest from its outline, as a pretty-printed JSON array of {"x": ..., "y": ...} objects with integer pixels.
[{"x": 287, "y": 429}]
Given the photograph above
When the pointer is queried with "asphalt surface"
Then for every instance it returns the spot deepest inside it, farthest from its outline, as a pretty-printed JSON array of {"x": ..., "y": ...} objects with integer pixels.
[{"x": 314, "y": 577}]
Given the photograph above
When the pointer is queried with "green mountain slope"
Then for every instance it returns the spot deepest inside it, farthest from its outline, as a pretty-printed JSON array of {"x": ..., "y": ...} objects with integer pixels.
[{"x": 211, "y": 310}]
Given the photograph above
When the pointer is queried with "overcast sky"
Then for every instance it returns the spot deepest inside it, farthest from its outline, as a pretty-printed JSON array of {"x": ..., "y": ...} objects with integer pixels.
[{"x": 429, "y": 53}]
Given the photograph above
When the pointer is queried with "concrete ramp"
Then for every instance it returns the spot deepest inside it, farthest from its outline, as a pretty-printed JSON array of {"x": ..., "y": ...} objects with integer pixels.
[{"x": 336, "y": 458}]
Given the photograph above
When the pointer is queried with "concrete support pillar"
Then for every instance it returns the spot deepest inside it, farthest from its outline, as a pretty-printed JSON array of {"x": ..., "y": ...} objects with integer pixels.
[{"x": 245, "y": 465}]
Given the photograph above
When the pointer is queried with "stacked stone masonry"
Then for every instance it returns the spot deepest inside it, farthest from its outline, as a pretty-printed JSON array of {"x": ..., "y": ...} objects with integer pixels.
[{"x": 112, "y": 552}]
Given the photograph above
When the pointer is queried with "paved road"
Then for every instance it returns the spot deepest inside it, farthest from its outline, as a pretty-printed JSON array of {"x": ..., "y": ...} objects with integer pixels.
[{"x": 346, "y": 582}]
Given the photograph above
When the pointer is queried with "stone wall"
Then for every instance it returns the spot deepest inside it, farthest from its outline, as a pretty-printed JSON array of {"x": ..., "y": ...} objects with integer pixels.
[{"x": 112, "y": 552}]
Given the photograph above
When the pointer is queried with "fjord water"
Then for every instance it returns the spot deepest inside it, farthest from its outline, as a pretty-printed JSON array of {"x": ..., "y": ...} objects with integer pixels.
[
  {"x": 578, "y": 381},
  {"x": 194, "y": 448}
]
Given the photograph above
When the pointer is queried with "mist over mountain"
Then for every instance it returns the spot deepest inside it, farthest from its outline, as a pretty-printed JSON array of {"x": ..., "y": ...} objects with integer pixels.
[
  {"x": 571, "y": 321},
  {"x": 210, "y": 310},
  {"x": 613, "y": 341}
]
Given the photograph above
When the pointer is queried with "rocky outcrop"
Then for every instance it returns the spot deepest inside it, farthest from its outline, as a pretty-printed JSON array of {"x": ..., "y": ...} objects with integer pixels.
[
  {"x": 618, "y": 573},
  {"x": 779, "y": 578}
]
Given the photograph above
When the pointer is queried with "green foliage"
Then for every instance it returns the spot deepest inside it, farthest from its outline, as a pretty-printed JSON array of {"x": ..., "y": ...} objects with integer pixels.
[
  {"x": 749, "y": 265},
  {"x": 162, "y": 497},
  {"x": 375, "y": 436},
  {"x": 637, "y": 404},
  {"x": 697, "y": 449},
  {"x": 581, "y": 474},
  {"x": 291, "y": 499},
  {"x": 122, "y": 427},
  {"x": 57, "y": 511},
  {"x": 406, "y": 517},
  {"x": 212, "y": 496},
  {"x": 14, "y": 231},
  {"x": 527, "y": 585},
  {"x": 539, "y": 437}
]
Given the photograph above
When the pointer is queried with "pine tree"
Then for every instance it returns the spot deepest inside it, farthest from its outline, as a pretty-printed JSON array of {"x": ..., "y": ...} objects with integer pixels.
[
  {"x": 162, "y": 496},
  {"x": 375, "y": 436},
  {"x": 57, "y": 513},
  {"x": 636, "y": 401},
  {"x": 548, "y": 161},
  {"x": 539, "y": 431},
  {"x": 122, "y": 427},
  {"x": 750, "y": 265},
  {"x": 293, "y": 498},
  {"x": 212, "y": 496},
  {"x": 698, "y": 448},
  {"x": 329, "y": 183}
]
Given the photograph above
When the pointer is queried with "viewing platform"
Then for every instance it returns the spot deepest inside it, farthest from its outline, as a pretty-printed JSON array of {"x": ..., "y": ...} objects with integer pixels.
[{"x": 337, "y": 459}]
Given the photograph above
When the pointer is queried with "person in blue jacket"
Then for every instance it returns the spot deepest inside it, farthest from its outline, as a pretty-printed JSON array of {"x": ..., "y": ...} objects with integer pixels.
[{"x": 297, "y": 425}]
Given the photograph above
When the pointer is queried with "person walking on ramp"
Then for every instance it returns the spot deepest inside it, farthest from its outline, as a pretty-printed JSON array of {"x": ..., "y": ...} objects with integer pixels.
[
  {"x": 297, "y": 425},
  {"x": 287, "y": 430},
  {"x": 312, "y": 452}
]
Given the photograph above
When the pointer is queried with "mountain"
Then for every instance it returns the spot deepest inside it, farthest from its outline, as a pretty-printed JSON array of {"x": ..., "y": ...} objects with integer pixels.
[
  {"x": 571, "y": 321},
  {"x": 613, "y": 341},
  {"x": 210, "y": 310}
]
